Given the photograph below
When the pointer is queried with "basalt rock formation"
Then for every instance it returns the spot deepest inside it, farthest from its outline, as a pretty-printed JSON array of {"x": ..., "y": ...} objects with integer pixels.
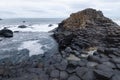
[
  {"x": 92, "y": 41},
  {"x": 89, "y": 50},
  {"x": 87, "y": 28},
  {"x": 86, "y": 18}
]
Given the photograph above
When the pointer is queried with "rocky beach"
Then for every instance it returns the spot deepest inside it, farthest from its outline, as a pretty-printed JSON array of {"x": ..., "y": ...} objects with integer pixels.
[{"x": 85, "y": 46}]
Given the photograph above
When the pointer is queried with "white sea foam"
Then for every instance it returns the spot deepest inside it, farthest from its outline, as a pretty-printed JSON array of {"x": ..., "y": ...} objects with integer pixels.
[
  {"x": 31, "y": 28},
  {"x": 118, "y": 22},
  {"x": 33, "y": 46}
]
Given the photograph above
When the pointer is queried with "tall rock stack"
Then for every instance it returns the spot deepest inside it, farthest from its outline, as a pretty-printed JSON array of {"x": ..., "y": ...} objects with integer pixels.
[
  {"x": 87, "y": 28},
  {"x": 87, "y": 17},
  {"x": 90, "y": 42}
]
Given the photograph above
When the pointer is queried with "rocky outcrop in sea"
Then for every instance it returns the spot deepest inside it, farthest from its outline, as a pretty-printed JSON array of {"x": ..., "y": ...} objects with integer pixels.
[
  {"x": 88, "y": 50},
  {"x": 6, "y": 33}
]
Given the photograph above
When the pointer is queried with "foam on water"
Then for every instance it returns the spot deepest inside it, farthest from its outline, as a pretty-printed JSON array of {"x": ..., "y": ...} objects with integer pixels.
[
  {"x": 31, "y": 28},
  {"x": 117, "y": 21},
  {"x": 33, "y": 46}
]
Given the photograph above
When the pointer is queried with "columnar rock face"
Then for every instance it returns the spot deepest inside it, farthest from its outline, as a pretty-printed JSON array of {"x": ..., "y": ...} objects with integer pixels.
[
  {"x": 92, "y": 42},
  {"x": 87, "y": 28},
  {"x": 86, "y": 18}
]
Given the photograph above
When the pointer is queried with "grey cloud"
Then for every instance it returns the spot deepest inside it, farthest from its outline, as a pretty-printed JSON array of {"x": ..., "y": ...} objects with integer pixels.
[{"x": 55, "y": 8}]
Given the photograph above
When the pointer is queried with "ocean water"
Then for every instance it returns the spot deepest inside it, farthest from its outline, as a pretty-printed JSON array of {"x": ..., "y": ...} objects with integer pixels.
[
  {"x": 34, "y": 38},
  {"x": 34, "y": 24}
]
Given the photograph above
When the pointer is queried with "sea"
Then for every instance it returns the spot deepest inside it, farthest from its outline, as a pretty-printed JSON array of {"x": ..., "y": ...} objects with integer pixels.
[
  {"x": 34, "y": 24},
  {"x": 34, "y": 37}
]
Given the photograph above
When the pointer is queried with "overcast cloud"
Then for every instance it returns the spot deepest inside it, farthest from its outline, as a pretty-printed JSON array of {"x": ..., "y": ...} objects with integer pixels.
[{"x": 55, "y": 8}]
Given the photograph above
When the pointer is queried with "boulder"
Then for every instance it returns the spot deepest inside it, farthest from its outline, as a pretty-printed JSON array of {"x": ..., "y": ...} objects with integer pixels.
[
  {"x": 55, "y": 74},
  {"x": 22, "y": 26},
  {"x": 50, "y": 25},
  {"x": 89, "y": 75},
  {"x": 6, "y": 33},
  {"x": 116, "y": 77},
  {"x": 103, "y": 75},
  {"x": 74, "y": 77},
  {"x": 80, "y": 71},
  {"x": 63, "y": 75}
]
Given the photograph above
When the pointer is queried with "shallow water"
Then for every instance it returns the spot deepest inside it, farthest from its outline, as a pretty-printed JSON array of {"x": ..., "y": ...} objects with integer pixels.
[{"x": 35, "y": 42}]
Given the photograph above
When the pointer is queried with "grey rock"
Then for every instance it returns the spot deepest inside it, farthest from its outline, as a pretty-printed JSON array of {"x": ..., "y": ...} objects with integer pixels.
[
  {"x": 22, "y": 26},
  {"x": 100, "y": 50},
  {"x": 55, "y": 74},
  {"x": 116, "y": 77},
  {"x": 104, "y": 67},
  {"x": 74, "y": 77},
  {"x": 68, "y": 49},
  {"x": 89, "y": 75},
  {"x": 115, "y": 60},
  {"x": 62, "y": 65},
  {"x": 71, "y": 67},
  {"x": 82, "y": 63},
  {"x": 118, "y": 66},
  {"x": 94, "y": 59},
  {"x": 109, "y": 64},
  {"x": 105, "y": 75},
  {"x": 57, "y": 58},
  {"x": 63, "y": 75},
  {"x": 92, "y": 64},
  {"x": 80, "y": 71},
  {"x": 6, "y": 33},
  {"x": 76, "y": 52}
]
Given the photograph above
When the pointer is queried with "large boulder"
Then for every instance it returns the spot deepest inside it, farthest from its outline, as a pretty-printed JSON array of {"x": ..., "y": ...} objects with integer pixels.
[{"x": 6, "y": 33}]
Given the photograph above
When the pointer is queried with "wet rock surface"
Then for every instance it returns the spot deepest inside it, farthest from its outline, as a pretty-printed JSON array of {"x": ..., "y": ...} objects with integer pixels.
[
  {"x": 22, "y": 26},
  {"x": 6, "y": 33},
  {"x": 88, "y": 50}
]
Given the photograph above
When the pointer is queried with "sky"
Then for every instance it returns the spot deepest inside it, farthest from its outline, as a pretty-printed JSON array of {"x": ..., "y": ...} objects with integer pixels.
[{"x": 55, "y": 8}]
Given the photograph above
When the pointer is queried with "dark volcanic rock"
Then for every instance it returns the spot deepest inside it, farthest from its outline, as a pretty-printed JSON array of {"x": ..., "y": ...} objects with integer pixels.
[
  {"x": 90, "y": 30},
  {"x": 6, "y": 33},
  {"x": 74, "y": 77},
  {"x": 80, "y": 71},
  {"x": 55, "y": 74},
  {"x": 50, "y": 25},
  {"x": 22, "y": 26},
  {"x": 105, "y": 75},
  {"x": 116, "y": 77},
  {"x": 87, "y": 28},
  {"x": 63, "y": 75}
]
